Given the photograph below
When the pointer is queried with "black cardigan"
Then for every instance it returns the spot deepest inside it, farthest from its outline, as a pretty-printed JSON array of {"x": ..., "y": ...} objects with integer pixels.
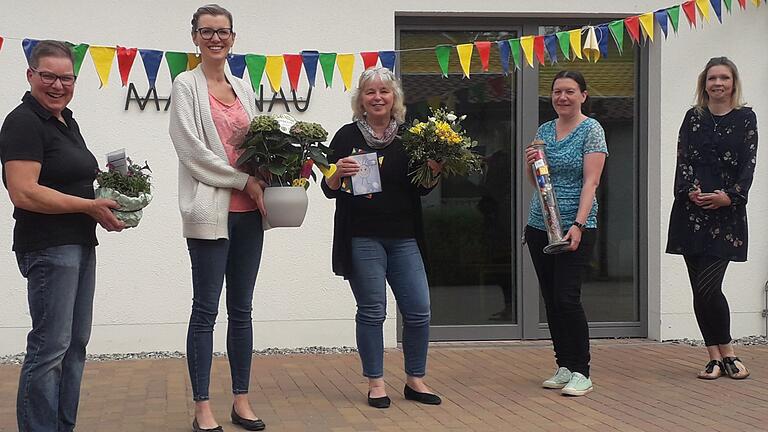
[{"x": 346, "y": 139}]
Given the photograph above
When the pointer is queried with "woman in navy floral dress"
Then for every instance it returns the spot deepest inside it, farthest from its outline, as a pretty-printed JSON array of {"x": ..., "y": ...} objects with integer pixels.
[{"x": 717, "y": 150}]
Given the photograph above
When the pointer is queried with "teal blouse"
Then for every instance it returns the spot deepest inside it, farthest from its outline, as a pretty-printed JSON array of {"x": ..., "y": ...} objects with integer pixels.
[{"x": 566, "y": 169}]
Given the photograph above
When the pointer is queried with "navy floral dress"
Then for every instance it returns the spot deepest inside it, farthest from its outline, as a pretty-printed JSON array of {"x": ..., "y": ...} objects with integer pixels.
[{"x": 713, "y": 153}]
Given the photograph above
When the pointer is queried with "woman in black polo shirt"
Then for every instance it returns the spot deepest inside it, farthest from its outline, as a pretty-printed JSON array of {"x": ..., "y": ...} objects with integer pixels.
[{"x": 49, "y": 174}]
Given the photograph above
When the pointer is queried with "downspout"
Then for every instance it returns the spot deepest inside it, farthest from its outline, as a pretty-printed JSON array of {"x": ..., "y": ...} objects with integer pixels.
[{"x": 765, "y": 310}]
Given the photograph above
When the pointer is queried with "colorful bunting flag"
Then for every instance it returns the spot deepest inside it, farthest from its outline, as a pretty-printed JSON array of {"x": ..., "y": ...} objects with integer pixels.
[
  {"x": 575, "y": 36},
  {"x": 617, "y": 31},
  {"x": 274, "y": 70},
  {"x": 661, "y": 18},
  {"x": 256, "y": 64},
  {"x": 674, "y": 16},
  {"x": 484, "y": 51},
  {"x": 527, "y": 43},
  {"x": 602, "y": 39},
  {"x": 28, "y": 45},
  {"x": 346, "y": 65},
  {"x": 370, "y": 59},
  {"x": 727, "y": 5},
  {"x": 125, "y": 58},
  {"x": 102, "y": 60},
  {"x": 514, "y": 45},
  {"x": 633, "y": 28},
  {"x": 151, "y": 60},
  {"x": 293, "y": 66},
  {"x": 78, "y": 51},
  {"x": 591, "y": 48},
  {"x": 565, "y": 44},
  {"x": 646, "y": 23},
  {"x": 1, "y": 42},
  {"x": 193, "y": 60},
  {"x": 756, "y": 3},
  {"x": 743, "y": 4},
  {"x": 465, "y": 57},
  {"x": 538, "y": 48},
  {"x": 327, "y": 62},
  {"x": 177, "y": 63},
  {"x": 704, "y": 8},
  {"x": 689, "y": 8},
  {"x": 550, "y": 43},
  {"x": 443, "y": 53},
  {"x": 717, "y": 6},
  {"x": 309, "y": 58},
  {"x": 236, "y": 64},
  {"x": 504, "y": 53},
  {"x": 388, "y": 59}
]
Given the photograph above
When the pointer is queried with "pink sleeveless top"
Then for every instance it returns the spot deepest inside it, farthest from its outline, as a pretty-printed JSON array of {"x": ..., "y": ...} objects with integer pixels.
[{"x": 232, "y": 124}]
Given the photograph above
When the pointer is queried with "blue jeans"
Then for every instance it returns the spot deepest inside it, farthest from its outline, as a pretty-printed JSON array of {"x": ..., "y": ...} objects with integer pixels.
[
  {"x": 60, "y": 284},
  {"x": 236, "y": 259},
  {"x": 376, "y": 261}
]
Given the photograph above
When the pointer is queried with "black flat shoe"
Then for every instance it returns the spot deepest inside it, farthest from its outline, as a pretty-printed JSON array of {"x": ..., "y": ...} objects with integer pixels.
[
  {"x": 196, "y": 428},
  {"x": 379, "y": 402},
  {"x": 247, "y": 424},
  {"x": 425, "y": 398}
]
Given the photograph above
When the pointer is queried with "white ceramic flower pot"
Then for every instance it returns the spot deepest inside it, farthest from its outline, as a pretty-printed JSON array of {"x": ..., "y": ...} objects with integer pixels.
[{"x": 286, "y": 206}]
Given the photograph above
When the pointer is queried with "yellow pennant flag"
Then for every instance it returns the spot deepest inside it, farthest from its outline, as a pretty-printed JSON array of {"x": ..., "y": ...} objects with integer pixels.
[
  {"x": 575, "y": 39},
  {"x": 346, "y": 65},
  {"x": 756, "y": 2},
  {"x": 704, "y": 8},
  {"x": 274, "y": 69},
  {"x": 591, "y": 47},
  {"x": 527, "y": 43},
  {"x": 102, "y": 59},
  {"x": 465, "y": 56},
  {"x": 647, "y": 22},
  {"x": 193, "y": 60}
]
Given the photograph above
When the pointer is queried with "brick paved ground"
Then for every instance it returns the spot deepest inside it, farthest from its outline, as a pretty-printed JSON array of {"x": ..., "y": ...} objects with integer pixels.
[{"x": 639, "y": 386}]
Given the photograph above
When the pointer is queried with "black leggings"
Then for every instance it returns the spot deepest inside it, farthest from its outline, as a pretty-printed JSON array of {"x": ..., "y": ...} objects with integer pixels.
[
  {"x": 709, "y": 303},
  {"x": 560, "y": 283}
]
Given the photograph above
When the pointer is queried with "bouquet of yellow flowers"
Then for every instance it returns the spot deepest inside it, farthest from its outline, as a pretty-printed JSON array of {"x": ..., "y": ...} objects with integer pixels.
[{"x": 442, "y": 139}]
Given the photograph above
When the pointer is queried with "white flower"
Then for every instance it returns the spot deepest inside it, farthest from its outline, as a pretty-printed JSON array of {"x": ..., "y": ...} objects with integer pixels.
[
  {"x": 463, "y": 117},
  {"x": 451, "y": 117},
  {"x": 432, "y": 119}
]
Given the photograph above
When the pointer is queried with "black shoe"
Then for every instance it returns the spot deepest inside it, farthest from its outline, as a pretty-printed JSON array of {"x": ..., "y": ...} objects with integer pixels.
[
  {"x": 196, "y": 428},
  {"x": 247, "y": 424},
  {"x": 379, "y": 402},
  {"x": 425, "y": 398}
]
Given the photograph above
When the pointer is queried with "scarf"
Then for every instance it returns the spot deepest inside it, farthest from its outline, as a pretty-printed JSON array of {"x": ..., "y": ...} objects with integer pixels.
[{"x": 370, "y": 137}]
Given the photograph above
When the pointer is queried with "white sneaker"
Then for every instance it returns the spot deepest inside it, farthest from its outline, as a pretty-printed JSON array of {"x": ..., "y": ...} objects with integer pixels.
[
  {"x": 579, "y": 385},
  {"x": 561, "y": 377}
]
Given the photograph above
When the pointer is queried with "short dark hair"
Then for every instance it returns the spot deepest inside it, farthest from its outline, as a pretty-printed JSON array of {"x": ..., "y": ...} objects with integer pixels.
[
  {"x": 50, "y": 48},
  {"x": 210, "y": 9},
  {"x": 579, "y": 78}
]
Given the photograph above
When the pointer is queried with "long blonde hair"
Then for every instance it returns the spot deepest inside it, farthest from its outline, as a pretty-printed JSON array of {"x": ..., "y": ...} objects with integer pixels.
[
  {"x": 390, "y": 80},
  {"x": 702, "y": 98}
]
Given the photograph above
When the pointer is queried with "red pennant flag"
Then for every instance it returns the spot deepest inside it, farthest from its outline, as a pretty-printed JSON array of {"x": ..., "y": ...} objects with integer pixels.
[
  {"x": 743, "y": 4},
  {"x": 370, "y": 59},
  {"x": 125, "y": 58},
  {"x": 633, "y": 27},
  {"x": 689, "y": 8},
  {"x": 1, "y": 42},
  {"x": 293, "y": 66},
  {"x": 484, "y": 50},
  {"x": 538, "y": 48}
]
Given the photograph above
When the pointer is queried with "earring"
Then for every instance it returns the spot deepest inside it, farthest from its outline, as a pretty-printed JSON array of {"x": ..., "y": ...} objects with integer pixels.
[{"x": 197, "y": 51}]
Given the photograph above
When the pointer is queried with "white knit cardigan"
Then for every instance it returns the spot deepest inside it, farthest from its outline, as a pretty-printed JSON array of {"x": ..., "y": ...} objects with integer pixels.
[{"x": 205, "y": 176}]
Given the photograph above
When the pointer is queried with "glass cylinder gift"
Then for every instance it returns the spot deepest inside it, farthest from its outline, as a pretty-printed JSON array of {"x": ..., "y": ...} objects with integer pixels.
[{"x": 548, "y": 200}]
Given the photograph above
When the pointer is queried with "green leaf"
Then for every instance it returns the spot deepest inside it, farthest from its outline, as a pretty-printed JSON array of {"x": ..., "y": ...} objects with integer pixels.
[
  {"x": 246, "y": 156},
  {"x": 276, "y": 168}
]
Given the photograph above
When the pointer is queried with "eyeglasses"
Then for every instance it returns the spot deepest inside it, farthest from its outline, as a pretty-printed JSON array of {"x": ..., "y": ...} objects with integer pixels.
[
  {"x": 207, "y": 33},
  {"x": 49, "y": 78}
]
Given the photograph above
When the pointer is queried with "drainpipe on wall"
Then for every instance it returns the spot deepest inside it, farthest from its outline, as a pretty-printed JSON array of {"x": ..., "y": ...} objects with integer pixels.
[{"x": 765, "y": 311}]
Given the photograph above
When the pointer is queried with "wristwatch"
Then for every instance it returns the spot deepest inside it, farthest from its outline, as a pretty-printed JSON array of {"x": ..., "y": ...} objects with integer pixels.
[{"x": 579, "y": 225}]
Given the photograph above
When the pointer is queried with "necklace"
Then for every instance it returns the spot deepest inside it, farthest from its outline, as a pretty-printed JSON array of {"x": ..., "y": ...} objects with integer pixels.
[{"x": 716, "y": 123}]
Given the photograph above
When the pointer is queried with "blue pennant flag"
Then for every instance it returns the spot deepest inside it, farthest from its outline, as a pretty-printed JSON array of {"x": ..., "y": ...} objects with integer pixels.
[
  {"x": 550, "y": 42},
  {"x": 236, "y": 64},
  {"x": 717, "y": 5},
  {"x": 504, "y": 52},
  {"x": 388, "y": 59},
  {"x": 662, "y": 18},
  {"x": 151, "y": 59},
  {"x": 28, "y": 45},
  {"x": 309, "y": 58},
  {"x": 603, "y": 34}
]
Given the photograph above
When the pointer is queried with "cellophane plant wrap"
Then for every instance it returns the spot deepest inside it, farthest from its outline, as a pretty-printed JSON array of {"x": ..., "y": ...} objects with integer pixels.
[{"x": 131, "y": 191}]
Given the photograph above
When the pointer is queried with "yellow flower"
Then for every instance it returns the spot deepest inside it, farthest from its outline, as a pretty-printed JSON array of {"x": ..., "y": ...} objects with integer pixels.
[
  {"x": 418, "y": 129},
  {"x": 301, "y": 182}
]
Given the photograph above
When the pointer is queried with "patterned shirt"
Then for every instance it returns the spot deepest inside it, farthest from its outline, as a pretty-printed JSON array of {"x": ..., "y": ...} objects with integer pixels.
[{"x": 566, "y": 169}]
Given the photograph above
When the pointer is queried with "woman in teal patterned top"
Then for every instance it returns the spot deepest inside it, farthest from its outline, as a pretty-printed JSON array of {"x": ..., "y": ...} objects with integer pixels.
[{"x": 576, "y": 152}]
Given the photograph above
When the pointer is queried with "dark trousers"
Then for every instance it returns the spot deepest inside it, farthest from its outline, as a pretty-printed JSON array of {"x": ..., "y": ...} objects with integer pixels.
[
  {"x": 560, "y": 279},
  {"x": 237, "y": 259},
  {"x": 709, "y": 303}
]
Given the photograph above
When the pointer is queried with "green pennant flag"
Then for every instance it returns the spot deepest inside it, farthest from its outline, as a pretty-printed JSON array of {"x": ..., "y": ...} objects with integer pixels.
[
  {"x": 565, "y": 43},
  {"x": 256, "y": 64},
  {"x": 617, "y": 30},
  {"x": 78, "y": 51},
  {"x": 177, "y": 63},
  {"x": 327, "y": 62},
  {"x": 674, "y": 16},
  {"x": 443, "y": 53},
  {"x": 514, "y": 44},
  {"x": 727, "y": 5}
]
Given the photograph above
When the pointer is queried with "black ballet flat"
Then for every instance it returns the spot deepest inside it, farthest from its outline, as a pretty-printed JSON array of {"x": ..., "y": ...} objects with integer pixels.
[
  {"x": 247, "y": 424},
  {"x": 196, "y": 428},
  {"x": 425, "y": 398},
  {"x": 379, "y": 402}
]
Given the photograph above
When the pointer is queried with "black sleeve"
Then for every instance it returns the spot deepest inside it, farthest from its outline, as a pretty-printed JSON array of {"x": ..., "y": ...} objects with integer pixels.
[
  {"x": 341, "y": 147},
  {"x": 683, "y": 167},
  {"x": 21, "y": 138},
  {"x": 747, "y": 158}
]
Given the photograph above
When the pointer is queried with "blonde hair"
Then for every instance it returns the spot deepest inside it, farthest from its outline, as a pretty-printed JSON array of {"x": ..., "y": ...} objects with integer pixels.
[
  {"x": 388, "y": 79},
  {"x": 702, "y": 98}
]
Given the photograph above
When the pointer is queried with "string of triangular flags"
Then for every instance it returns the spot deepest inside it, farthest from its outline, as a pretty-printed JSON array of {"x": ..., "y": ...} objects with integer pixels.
[{"x": 572, "y": 44}]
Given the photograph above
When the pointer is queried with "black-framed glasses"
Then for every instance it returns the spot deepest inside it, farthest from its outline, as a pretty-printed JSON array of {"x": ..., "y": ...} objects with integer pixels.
[
  {"x": 207, "y": 33},
  {"x": 49, "y": 78}
]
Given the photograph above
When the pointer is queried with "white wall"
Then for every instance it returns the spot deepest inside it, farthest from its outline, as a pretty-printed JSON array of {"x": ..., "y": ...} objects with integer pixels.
[{"x": 143, "y": 294}]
